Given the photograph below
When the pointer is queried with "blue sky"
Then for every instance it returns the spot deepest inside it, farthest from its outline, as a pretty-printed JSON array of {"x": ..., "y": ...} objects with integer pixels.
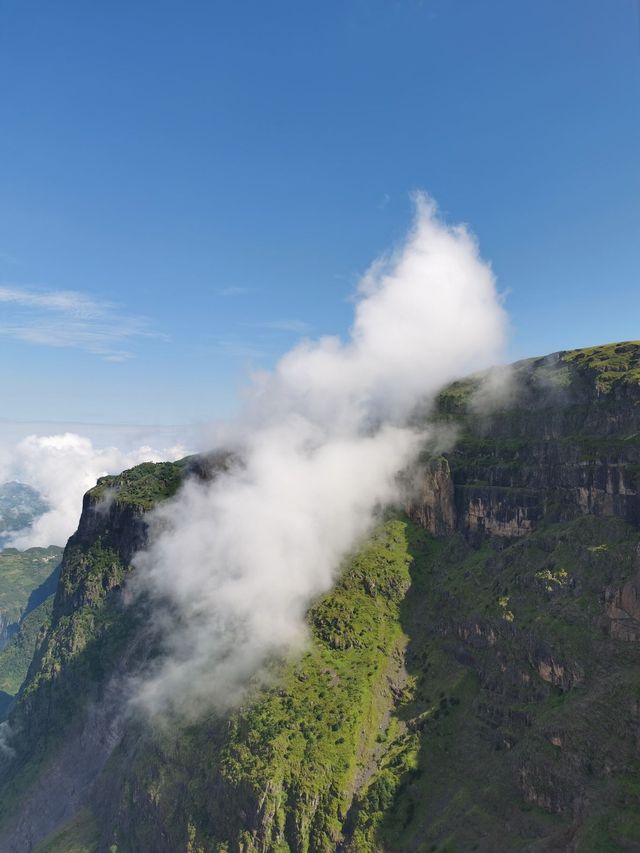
[{"x": 209, "y": 179}]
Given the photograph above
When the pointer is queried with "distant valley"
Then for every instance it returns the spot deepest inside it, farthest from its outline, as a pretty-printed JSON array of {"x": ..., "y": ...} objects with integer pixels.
[{"x": 20, "y": 506}]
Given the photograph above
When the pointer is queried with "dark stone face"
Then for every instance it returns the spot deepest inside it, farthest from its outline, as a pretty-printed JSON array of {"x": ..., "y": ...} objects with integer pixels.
[{"x": 562, "y": 448}]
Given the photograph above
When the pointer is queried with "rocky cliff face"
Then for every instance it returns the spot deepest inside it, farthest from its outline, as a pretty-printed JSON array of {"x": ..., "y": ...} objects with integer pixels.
[
  {"x": 565, "y": 444},
  {"x": 72, "y": 707},
  {"x": 472, "y": 681},
  {"x": 69, "y": 715}
]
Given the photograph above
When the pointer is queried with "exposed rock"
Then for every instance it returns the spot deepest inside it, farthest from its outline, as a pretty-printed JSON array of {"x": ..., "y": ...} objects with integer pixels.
[
  {"x": 623, "y": 610},
  {"x": 432, "y": 502}
]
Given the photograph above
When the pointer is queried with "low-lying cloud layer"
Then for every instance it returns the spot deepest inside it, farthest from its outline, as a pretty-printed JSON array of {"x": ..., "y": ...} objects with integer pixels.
[
  {"x": 233, "y": 565},
  {"x": 62, "y": 468}
]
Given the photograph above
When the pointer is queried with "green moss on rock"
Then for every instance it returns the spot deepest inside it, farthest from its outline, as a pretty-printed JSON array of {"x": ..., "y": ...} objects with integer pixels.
[
  {"x": 79, "y": 835},
  {"x": 612, "y": 364},
  {"x": 18, "y": 653},
  {"x": 142, "y": 486},
  {"x": 294, "y": 753}
]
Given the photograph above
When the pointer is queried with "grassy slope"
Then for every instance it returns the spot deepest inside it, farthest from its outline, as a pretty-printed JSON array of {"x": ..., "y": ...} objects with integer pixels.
[
  {"x": 607, "y": 366},
  {"x": 17, "y": 654},
  {"x": 20, "y": 573},
  {"x": 294, "y": 754},
  {"x": 143, "y": 485},
  {"x": 80, "y": 835},
  {"x": 481, "y": 714},
  {"x": 433, "y": 753},
  {"x": 611, "y": 364}
]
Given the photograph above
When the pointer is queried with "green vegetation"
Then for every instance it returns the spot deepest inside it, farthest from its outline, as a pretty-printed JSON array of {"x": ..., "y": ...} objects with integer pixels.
[
  {"x": 84, "y": 641},
  {"x": 17, "y": 654},
  {"x": 482, "y": 712},
  {"x": 141, "y": 486},
  {"x": 551, "y": 579},
  {"x": 89, "y": 627},
  {"x": 297, "y": 750},
  {"x": 455, "y": 398},
  {"x": 20, "y": 573},
  {"x": 88, "y": 635},
  {"x": 79, "y": 835},
  {"x": 604, "y": 367},
  {"x": 419, "y": 716},
  {"x": 460, "y": 693},
  {"x": 612, "y": 364}
]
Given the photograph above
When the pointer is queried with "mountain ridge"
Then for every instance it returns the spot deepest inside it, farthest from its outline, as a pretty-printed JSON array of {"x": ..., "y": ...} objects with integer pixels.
[{"x": 483, "y": 648}]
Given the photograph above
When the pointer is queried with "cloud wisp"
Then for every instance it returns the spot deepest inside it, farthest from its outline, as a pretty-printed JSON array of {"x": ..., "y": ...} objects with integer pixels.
[
  {"x": 233, "y": 565},
  {"x": 62, "y": 468},
  {"x": 66, "y": 318}
]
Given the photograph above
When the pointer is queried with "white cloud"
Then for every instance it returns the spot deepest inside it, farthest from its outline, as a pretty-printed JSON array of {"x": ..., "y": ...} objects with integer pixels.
[
  {"x": 62, "y": 468},
  {"x": 67, "y": 301},
  {"x": 66, "y": 318},
  {"x": 233, "y": 565}
]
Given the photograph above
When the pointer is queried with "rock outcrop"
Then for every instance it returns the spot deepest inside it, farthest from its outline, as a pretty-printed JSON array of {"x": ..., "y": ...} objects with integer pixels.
[{"x": 563, "y": 447}]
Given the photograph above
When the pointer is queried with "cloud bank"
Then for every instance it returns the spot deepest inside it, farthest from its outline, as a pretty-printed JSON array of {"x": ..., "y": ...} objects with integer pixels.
[
  {"x": 233, "y": 565},
  {"x": 62, "y": 468}
]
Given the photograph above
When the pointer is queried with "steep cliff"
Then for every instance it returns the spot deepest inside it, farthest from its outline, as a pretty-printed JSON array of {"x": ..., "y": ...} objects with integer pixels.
[
  {"x": 472, "y": 681},
  {"x": 16, "y": 656},
  {"x": 552, "y": 438}
]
